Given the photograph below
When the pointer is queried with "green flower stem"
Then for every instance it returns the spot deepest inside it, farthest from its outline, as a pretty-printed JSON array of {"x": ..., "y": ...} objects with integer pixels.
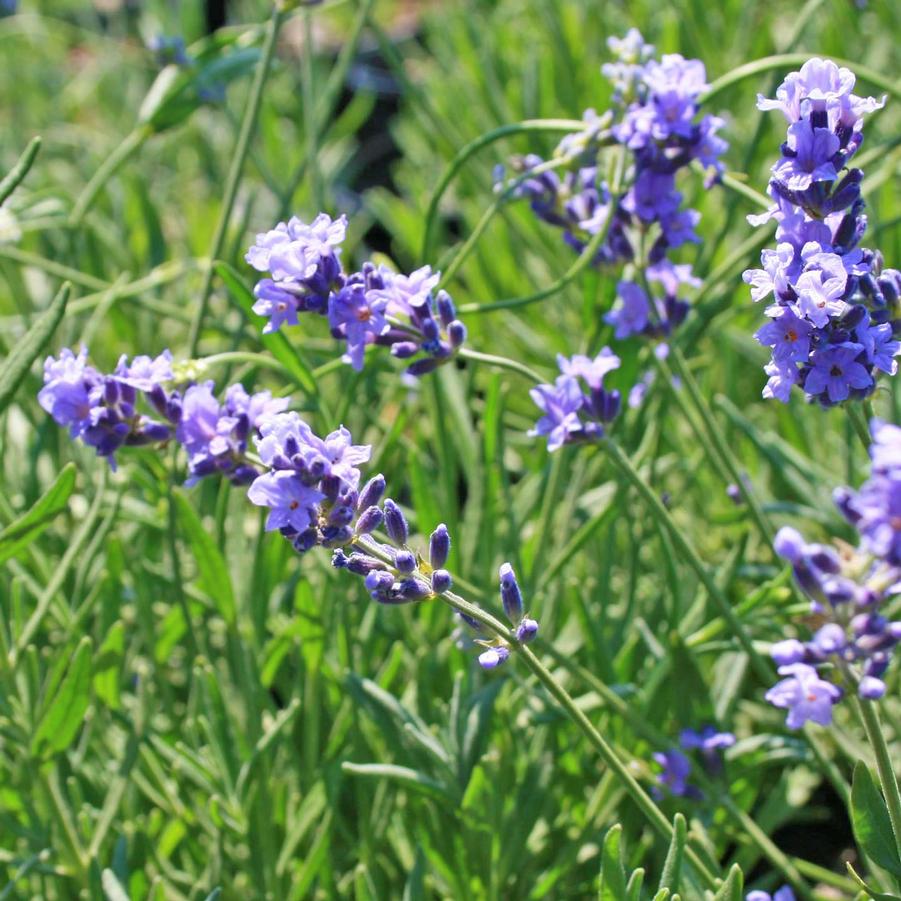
[
  {"x": 51, "y": 267},
  {"x": 131, "y": 144},
  {"x": 640, "y": 726},
  {"x": 642, "y": 800},
  {"x": 483, "y": 223},
  {"x": 859, "y": 421},
  {"x": 248, "y": 125},
  {"x": 496, "y": 628},
  {"x": 241, "y": 356},
  {"x": 500, "y": 363},
  {"x": 624, "y": 465},
  {"x": 870, "y": 718},
  {"x": 723, "y": 449},
  {"x": 581, "y": 262},
  {"x": 529, "y": 126}
]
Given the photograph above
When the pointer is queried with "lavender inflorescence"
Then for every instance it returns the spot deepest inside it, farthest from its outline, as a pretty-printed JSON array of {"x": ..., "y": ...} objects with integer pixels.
[
  {"x": 834, "y": 319},
  {"x": 848, "y": 589},
  {"x": 309, "y": 485},
  {"x": 372, "y": 306},
  {"x": 676, "y": 766},
  {"x": 655, "y": 118},
  {"x": 572, "y": 413}
]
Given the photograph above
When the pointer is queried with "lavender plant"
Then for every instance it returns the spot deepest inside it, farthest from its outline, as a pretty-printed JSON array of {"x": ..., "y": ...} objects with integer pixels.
[{"x": 611, "y": 186}]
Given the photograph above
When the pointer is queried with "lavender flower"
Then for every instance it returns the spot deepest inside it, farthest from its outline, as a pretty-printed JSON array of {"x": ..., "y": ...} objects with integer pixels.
[
  {"x": 675, "y": 770},
  {"x": 805, "y": 695},
  {"x": 835, "y": 311},
  {"x": 371, "y": 306},
  {"x": 655, "y": 117},
  {"x": 101, "y": 410},
  {"x": 570, "y": 413},
  {"x": 215, "y": 435},
  {"x": 847, "y": 590}
]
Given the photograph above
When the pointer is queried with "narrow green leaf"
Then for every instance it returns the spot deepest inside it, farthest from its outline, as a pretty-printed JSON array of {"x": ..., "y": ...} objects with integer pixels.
[
  {"x": 613, "y": 875},
  {"x": 112, "y": 888},
  {"x": 108, "y": 665},
  {"x": 214, "y": 894},
  {"x": 414, "y": 890},
  {"x": 636, "y": 882},
  {"x": 662, "y": 895},
  {"x": 672, "y": 866},
  {"x": 28, "y": 349},
  {"x": 403, "y": 775},
  {"x": 874, "y": 895},
  {"x": 214, "y": 575},
  {"x": 63, "y": 714},
  {"x": 732, "y": 888},
  {"x": 870, "y": 820},
  {"x": 17, "y": 174},
  {"x": 26, "y": 528}
]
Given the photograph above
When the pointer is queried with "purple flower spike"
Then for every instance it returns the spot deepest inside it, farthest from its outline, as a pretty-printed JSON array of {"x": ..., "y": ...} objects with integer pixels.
[
  {"x": 789, "y": 544},
  {"x": 787, "y": 652},
  {"x": 560, "y": 404},
  {"x": 441, "y": 581}
]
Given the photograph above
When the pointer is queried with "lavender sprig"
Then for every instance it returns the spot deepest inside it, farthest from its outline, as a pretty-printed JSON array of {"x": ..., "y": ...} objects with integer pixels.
[
  {"x": 848, "y": 589},
  {"x": 372, "y": 306},
  {"x": 834, "y": 315}
]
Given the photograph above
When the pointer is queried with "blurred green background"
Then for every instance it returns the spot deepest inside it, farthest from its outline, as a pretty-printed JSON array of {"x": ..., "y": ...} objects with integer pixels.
[{"x": 292, "y": 740}]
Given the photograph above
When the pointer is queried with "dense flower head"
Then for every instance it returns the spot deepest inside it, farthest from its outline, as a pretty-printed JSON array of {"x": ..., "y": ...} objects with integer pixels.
[
  {"x": 215, "y": 435},
  {"x": 101, "y": 409},
  {"x": 848, "y": 590},
  {"x": 577, "y": 410},
  {"x": 833, "y": 310},
  {"x": 655, "y": 116},
  {"x": 372, "y": 306}
]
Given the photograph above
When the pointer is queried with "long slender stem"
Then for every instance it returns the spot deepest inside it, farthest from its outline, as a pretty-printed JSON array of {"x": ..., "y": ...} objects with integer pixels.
[
  {"x": 130, "y": 144},
  {"x": 248, "y": 125},
  {"x": 884, "y": 766},
  {"x": 860, "y": 424},
  {"x": 716, "y": 436},
  {"x": 647, "y": 806},
  {"x": 500, "y": 363},
  {"x": 624, "y": 464},
  {"x": 474, "y": 146}
]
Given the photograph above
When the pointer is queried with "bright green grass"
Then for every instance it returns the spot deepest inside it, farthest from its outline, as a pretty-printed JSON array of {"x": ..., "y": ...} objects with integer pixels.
[{"x": 214, "y": 753}]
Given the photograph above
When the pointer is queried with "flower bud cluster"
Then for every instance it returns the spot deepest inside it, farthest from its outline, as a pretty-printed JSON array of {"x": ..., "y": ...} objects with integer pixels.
[
  {"x": 676, "y": 766},
  {"x": 102, "y": 409},
  {"x": 570, "y": 412},
  {"x": 655, "y": 118},
  {"x": 371, "y": 306},
  {"x": 835, "y": 315},
  {"x": 848, "y": 589}
]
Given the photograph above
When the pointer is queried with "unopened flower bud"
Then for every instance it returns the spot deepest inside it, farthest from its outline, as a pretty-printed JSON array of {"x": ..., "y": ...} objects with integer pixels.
[{"x": 395, "y": 523}]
